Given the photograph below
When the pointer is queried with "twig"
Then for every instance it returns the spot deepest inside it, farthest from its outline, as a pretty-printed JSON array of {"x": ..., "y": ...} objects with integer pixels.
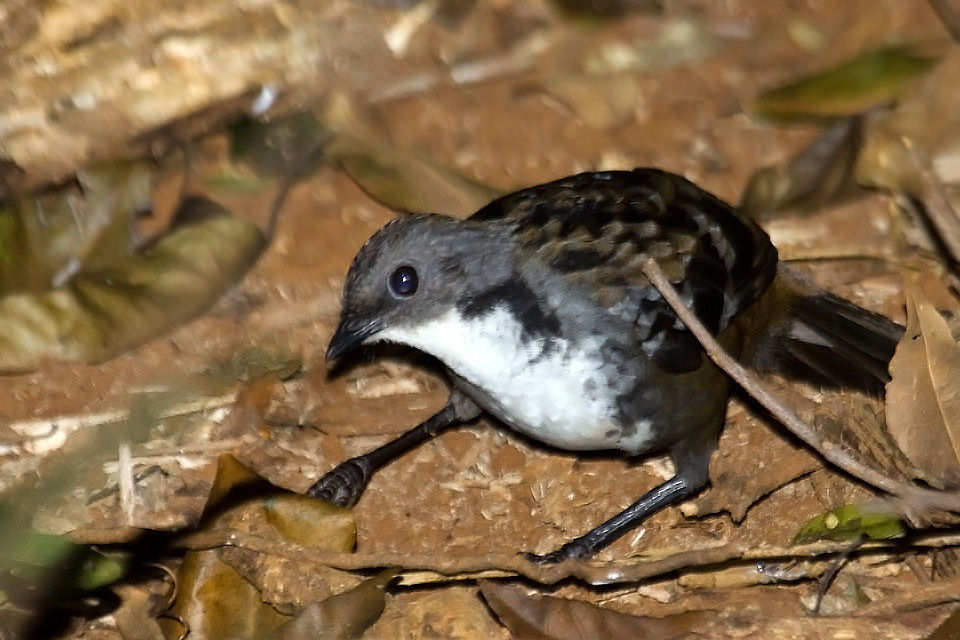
[
  {"x": 115, "y": 487},
  {"x": 291, "y": 174},
  {"x": 912, "y": 599},
  {"x": 106, "y": 535},
  {"x": 417, "y": 578},
  {"x": 466, "y": 73},
  {"x": 147, "y": 454},
  {"x": 827, "y": 578},
  {"x": 276, "y": 205},
  {"x": 126, "y": 483},
  {"x": 594, "y": 573},
  {"x": 918, "y": 497}
]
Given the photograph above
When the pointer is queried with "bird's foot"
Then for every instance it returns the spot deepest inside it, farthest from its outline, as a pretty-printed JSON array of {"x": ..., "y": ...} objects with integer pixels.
[
  {"x": 343, "y": 484},
  {"x": 577, "y": 549}
]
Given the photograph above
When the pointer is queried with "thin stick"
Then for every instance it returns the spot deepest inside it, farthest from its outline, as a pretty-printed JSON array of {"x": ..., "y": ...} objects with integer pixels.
[
  {"x": 912, "y": 599},
  {"x": 918, "y": 497},
  {"x": 126, "y": 483},
  {"x": 596, "y": 573},
  {"x": 827, "y": 578}
]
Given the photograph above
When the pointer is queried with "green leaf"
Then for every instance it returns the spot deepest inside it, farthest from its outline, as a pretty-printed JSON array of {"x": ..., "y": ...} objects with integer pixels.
[
  {"x": 850, "y": 522},
  {"x": 35, "y": 549},
  {"x": 34, "y": 555},
  {"x": 875, "y": 77},
  {"x": 98, "y": 570}
]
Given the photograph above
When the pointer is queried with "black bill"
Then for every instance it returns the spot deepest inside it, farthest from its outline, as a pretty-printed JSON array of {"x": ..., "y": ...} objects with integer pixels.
[{"x": 348, "y": 336}]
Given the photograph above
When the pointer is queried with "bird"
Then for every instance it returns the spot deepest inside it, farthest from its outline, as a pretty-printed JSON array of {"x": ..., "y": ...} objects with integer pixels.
[{"x": 537, "y": 308}]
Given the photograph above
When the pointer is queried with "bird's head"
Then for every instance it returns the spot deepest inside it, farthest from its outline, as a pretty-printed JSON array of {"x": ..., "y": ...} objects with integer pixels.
[{"x": 412, "y": 270}]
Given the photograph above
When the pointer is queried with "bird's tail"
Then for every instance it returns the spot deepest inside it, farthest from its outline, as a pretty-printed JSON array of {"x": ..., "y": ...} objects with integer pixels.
[{"x": 826, "y": 340}]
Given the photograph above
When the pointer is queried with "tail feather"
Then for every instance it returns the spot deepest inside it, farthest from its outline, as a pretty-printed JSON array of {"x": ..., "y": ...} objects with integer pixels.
[{"x": 833, "y": 342}]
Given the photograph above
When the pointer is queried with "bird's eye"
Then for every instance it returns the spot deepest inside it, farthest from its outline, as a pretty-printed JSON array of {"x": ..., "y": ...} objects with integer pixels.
[{"x": 404, "y": 281}]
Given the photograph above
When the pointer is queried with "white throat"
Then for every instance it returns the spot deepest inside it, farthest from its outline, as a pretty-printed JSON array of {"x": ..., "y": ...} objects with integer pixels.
[{"x": 554, "y": 393}]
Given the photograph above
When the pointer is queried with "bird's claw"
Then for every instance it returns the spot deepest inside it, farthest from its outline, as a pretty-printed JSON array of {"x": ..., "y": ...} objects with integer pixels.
[
  {"x": 573, "y": 550},
  {"x": 343, "y": 484}
]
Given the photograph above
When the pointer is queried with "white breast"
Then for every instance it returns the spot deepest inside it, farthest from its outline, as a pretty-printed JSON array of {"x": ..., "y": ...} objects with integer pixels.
[{"x": 557, "y": 396}]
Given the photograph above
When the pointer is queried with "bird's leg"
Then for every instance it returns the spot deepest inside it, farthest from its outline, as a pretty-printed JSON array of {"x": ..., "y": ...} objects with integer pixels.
[
  {"x": 690, "y": 479},
  {"x": 343, "y": 484},
  {"x": 670, "y": 492}
]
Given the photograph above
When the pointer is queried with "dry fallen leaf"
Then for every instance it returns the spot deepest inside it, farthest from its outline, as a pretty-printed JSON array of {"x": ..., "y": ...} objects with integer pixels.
[
  {"x": 46, "y": 239},
  {"x": 454, "y": 612},
  {"x": 398, "y": 178},
  {"x": 949, "y": 629},
  {"x": 343, "y": 616},
  {"x": 296, "y": 518},
  {"x": 923, "y": 397},
  {"x": 820, "y": 175},
  {"x": 216, "y": 596},
  {"x": 100, "y": 314},
  {"x": 531, "y": 617},
  {"x": 133, "y": 616},
  {"x": 216, "y": 602}
]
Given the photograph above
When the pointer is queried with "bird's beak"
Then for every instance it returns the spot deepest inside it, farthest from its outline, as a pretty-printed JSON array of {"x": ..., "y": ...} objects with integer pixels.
[{"x": 349, "y": 335}]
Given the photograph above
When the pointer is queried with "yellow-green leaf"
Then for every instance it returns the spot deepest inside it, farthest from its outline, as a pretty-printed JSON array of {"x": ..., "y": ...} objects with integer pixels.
[
  {"x": 100, "y": 314},
  {"x": 34, "y": 555},
  {"x": 873, "y": 78},
  {"x": 45, "y": 239},
  {"x": 850, "y": 522},
  {"x": 234, "y": 182}
]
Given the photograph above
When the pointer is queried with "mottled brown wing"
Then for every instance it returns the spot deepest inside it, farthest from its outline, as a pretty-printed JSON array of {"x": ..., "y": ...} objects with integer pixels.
[{"x": 597, "y": 229}]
